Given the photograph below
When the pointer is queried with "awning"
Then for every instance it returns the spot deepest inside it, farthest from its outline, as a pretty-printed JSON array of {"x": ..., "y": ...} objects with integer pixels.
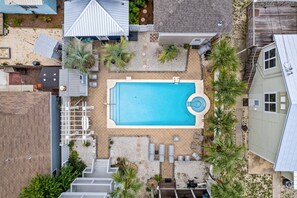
[{"x": 48, "y": 47}]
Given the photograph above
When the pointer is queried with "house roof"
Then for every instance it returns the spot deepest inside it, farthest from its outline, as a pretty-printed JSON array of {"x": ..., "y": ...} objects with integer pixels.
[
  {"x": 193, "y": 16},
  {"x": 24, "y": 139},
  {"x": 75, "y": 82},
  {"x": 47, "y": 46},
  {"x": 23, "y": 2},
  {"x": 49, "y": 77},
  {"x": 287, "y": 155},
  {"x": 96, "y": 18}
]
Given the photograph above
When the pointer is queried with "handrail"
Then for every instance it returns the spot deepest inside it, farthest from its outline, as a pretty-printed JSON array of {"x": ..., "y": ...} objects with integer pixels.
[{"x": 253, "y": 63}]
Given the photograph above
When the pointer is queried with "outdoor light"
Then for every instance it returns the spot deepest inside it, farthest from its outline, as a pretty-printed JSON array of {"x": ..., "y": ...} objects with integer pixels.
[{"x": 62, "y": 88}]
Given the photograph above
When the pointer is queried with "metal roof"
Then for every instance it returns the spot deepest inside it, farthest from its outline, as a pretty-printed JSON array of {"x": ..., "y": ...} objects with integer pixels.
[
  {"x": 75, "y": 82},
  {"x": 96, "y": 18},
  {"x": 47, "y": 46},
  {"x": 23, "y": 2},
  {"x": 287, "y": 156}
]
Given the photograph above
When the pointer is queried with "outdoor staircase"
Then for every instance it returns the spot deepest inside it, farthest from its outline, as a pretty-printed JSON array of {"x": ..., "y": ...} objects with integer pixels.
[{"x": 250, "y": 66}]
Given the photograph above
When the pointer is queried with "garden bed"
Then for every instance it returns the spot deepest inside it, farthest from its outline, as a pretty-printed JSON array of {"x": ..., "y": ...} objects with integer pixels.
[
  {"x": 141, "y": 12},
  {"x": 37, "y": 20}
]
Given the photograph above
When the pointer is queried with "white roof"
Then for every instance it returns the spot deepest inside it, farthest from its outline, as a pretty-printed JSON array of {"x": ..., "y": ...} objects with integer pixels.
[
  {"x": 46, "y": 46},
  {"x": 287, "y": 50},
  {"x": 23, "y": 2},
  {"x": 96, "y": 18}
]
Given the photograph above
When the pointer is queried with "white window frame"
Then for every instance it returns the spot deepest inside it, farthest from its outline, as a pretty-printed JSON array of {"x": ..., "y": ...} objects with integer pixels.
[
  {"x": 269, "y": 59},
  {"x": 269, "y": 102}
]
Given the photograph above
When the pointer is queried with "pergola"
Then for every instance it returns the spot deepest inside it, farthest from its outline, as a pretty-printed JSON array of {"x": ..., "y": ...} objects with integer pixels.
[{"x": 75, "y": 122}]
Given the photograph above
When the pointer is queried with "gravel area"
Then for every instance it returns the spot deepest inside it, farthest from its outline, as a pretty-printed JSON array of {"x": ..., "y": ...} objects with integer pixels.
[
  {"x": 87, "y": 154},
  {"x": 135, "y": 149},
  {"x": 146, "y": 56},
  {"x": 190, "y": 170}
]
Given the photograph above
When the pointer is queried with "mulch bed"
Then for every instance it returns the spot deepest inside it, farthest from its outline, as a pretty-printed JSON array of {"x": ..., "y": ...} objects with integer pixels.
[
  {"x": 149, "y": 17},
  {"x": 37, "y": 20}
]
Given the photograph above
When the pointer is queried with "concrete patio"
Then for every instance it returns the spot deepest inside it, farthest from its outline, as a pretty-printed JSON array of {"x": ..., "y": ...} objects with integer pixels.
[{"x": 146, "y": 54}]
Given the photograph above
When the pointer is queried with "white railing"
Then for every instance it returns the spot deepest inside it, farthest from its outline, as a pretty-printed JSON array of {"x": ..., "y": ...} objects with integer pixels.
[
  {"x": 141, "y": 28},
  {"x": 89, "y": 170}
]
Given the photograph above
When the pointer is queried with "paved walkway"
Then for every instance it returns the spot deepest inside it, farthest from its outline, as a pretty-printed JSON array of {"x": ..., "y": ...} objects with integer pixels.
[{"x": 97, "y": 98}]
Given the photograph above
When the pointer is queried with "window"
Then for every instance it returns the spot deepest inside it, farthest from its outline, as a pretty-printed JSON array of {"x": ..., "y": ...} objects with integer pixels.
[
  {"x": 270, "y": 102},
  {"x": 256, "y": 103},
  {"x": 269, "y": 59}
]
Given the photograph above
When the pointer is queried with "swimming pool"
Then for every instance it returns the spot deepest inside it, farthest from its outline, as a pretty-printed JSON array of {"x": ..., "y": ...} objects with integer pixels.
[{"x": 151, "y": 104}]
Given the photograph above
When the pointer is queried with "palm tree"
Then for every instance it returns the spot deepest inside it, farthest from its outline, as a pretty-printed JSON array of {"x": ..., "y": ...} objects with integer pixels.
[
  {"x": 227, "y": 189},
  {"x": 169, "y": 53},
  {"x": 225, "y": 156},
  {"x": 128, "y": 183},
  {"x": 227, "y": 88},
  {"x": 78, "y": 57},
  {"x": 223, "y": 57},
  {"x": 116, "y": 54},
  {"x": 220, "y": 123}
]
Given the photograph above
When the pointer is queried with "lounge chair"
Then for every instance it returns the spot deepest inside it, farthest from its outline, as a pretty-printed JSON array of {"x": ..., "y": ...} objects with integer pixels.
[
  {"x": 161, "y": 152},
  {"x": 93, "y": 76},
  {"x": 152, "y": 152},
  {"x": 196, "y": 156},
  {"x": 187, "y": 158},
  {"x": 195, "y": 146},
  {"x": 198, "y": 136},
  {"x": 171, "y": 153},
  {"x": 180, "y": 158},
  {"x": 93, "y": 84}
]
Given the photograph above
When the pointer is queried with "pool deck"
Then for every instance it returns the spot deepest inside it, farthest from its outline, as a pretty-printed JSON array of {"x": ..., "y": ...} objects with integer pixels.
[{"x": 98, "y": 97}]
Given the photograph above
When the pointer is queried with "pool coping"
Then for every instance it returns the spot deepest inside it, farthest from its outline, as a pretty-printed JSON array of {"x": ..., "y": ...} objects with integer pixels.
[{"x": 199, "y": 89}]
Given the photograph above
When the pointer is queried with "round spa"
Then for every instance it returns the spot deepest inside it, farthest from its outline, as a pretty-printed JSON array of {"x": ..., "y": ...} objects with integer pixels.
[{"x": 198, "y": 104}]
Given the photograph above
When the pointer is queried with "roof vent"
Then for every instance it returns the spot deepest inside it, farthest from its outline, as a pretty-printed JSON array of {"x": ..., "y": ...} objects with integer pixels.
[{"x": 220, "y": 23}]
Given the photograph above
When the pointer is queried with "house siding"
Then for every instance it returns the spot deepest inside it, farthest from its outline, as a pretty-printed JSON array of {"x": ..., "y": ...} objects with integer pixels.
[
  {"x": 265, "y": 128},
  {"x": 182, "y": 38},
  {"x": 48, "y": 7}
]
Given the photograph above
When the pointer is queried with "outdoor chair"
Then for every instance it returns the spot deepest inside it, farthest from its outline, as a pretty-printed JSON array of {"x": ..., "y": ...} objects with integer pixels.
[
  {"x": 198, "y": 136},
  {"x": 93, "y": 76},
  {"x": 187, "y": 158},
  {"x": 195, "y": 146},
  {"x": 196, "y": 156},
  {"x": 152, "y": 152},
  {"x": 93, "y": 84},
  {"x": 171, "y": 153},
  {"x": 161, "y": 152},
  {"x": 180, "y": 158}
]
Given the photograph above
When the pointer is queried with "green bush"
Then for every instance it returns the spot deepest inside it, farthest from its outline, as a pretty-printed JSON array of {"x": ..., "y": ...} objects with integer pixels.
[
  {"x": 47, "y": 19},
  {"x": 17, "y": 21},
  {"x": 71, "y": 145},
  {"x": 169, "y": 53},
  {"x": 42, "y": 186},
  {"x": 68, "y": 174},
  {"x": 87, "y": 144},
  {"x": 76, "y": 162},
  {"x": 139, "y": 3},
  {"x": 133, "y": 13}
]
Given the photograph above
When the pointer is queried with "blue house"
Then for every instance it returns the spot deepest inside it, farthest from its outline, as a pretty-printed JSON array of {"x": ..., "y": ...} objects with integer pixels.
[{"x": 28, "y": 6}]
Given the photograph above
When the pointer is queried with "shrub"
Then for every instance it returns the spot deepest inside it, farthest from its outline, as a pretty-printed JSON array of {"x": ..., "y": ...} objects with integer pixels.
[
  {"x": 76, "y": 162},
  {"x": 17, "y": 21},
  {"x": 87, "y": 144},
  {"x": 42, "y": 186},
  {"x": 71, "y": 145},
  {"x": 169, "y": 53},
  {"x": 133, "y": 13},
  {"x": 47, "y": 19},
  {"x": 68, "y": 174}
]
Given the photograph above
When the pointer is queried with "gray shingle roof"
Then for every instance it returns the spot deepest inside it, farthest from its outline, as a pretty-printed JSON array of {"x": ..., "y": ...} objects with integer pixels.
[
  {"x": 25, "y": 142},
  {"x": 189, "y": 16}
]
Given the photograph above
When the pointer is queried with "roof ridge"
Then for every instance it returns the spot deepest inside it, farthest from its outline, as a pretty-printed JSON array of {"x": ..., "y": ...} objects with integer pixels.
[{"x": 87, "y": 7}]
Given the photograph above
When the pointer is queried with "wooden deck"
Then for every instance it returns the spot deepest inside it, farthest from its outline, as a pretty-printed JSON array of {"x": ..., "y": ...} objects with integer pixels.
[
  {"x": 263, "y": 21},
  {"x": 270, "y": 19}
]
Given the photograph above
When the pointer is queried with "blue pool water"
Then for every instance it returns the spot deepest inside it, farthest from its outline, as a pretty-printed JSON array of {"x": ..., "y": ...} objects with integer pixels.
[
  {"x": 151, "y": 104},
  {"x": 198, "y": 104}
]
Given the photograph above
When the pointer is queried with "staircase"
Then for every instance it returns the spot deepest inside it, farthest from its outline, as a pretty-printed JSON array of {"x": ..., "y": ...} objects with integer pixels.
[{"x": 250, "y": 66}]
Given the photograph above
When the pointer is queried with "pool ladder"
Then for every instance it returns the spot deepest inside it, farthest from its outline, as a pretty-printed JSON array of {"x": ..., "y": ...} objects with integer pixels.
[{"x": 176, "y": 80}]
